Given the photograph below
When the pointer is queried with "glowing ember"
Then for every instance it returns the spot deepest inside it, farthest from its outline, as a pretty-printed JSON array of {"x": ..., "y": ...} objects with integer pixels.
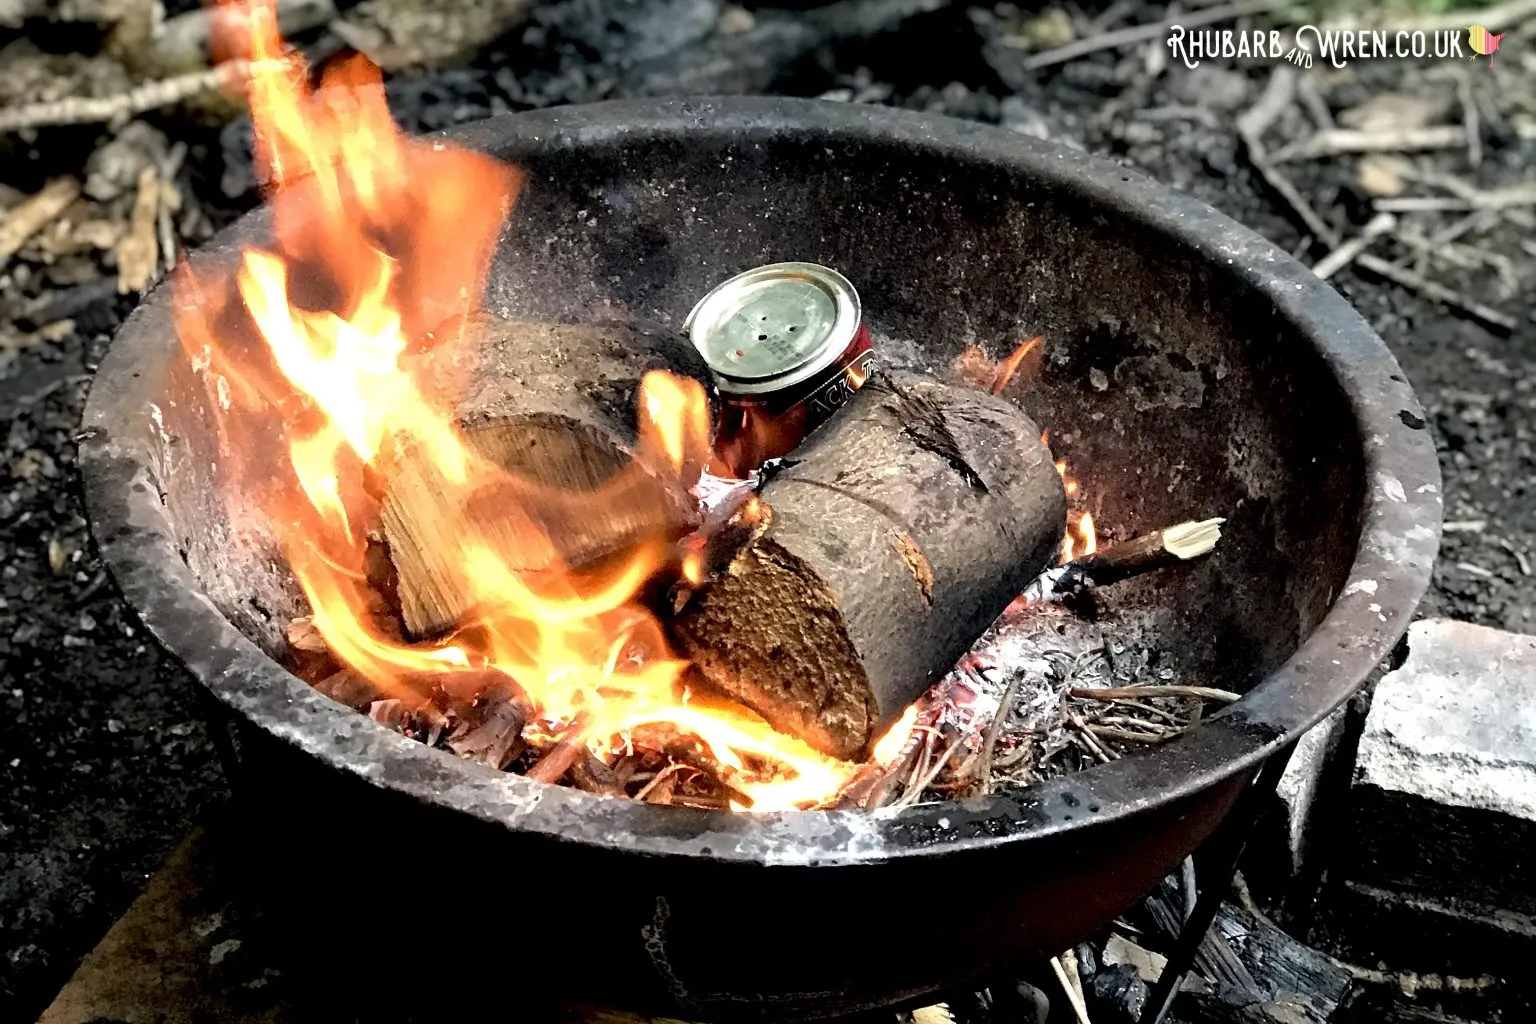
[{"x": 310, "y": 348}]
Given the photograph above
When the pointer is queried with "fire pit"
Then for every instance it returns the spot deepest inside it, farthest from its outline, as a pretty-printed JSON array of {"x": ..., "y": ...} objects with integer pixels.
[{"x": 1192, "y": 369}]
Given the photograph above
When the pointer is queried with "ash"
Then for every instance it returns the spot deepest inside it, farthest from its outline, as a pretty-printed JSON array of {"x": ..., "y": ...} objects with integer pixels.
[{"x": 1051, "y": 688}]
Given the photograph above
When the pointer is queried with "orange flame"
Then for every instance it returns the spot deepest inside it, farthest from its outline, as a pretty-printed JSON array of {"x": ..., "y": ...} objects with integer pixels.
[
  {"x": 1082, "y": 537},
  {"x": 309, "y": 350},
  {"x": 888, "y": 747},
  {"x": 1086, "y": 541},
  {"x": 976, "y": 368}
]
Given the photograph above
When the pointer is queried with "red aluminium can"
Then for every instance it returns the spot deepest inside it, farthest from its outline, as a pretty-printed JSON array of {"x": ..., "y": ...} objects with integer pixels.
[{"x": 786, "y": 346}]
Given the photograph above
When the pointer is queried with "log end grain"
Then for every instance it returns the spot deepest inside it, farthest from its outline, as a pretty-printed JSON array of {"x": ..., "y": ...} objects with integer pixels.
[{"x": 770, "y": 635}]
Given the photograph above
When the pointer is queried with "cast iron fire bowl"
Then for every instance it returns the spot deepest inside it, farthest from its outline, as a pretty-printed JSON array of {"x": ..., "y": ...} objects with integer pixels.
[{"x": 1238, "y": 385}]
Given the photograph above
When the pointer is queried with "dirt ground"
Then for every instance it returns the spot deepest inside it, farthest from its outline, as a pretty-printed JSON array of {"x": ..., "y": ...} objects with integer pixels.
[{"x": 102, "y": 759}]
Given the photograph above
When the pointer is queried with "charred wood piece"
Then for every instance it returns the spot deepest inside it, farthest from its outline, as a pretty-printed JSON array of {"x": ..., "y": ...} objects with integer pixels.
[
  {"x": 491, "y": 730},
  {"x": 558, "y": 759}
]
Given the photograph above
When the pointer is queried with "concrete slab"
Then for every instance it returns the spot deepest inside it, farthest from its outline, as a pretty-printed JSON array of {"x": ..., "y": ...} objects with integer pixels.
[{"x": 1444, "y": 793}]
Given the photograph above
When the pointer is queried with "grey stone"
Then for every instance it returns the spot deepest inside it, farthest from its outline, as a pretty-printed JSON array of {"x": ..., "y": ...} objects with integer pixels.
[{"x": 1444, "y": 794}]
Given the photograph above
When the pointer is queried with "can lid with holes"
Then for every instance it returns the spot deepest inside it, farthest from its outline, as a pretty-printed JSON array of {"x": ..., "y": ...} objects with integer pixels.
[{"x": 774, "y": 326}]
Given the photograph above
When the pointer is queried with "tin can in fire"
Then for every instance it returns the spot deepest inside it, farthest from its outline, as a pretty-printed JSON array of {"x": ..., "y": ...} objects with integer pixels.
[{"x": 786, "y": 346}]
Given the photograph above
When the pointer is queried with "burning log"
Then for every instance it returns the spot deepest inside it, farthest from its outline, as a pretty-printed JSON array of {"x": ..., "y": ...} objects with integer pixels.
[
  {"x": 553, "y": 406},
  {"x": 898, "y": 533}
]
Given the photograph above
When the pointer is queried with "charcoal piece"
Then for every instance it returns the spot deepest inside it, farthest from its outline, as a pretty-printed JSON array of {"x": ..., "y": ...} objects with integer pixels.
[
  {"x": 589, "y": 773},
  {"x": 1117, "y": 995},
  {"x": 491, "y": 731},
  {"x": 895, "y": 535},
  {"x": 552, "y": 407},
  {"x": 1285, "y": 981}
]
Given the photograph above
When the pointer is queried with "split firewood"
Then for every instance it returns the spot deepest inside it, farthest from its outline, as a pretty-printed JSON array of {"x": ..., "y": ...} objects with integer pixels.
[
  {"x": 660, "y": 789},
  {"x": 899, "y": 531},
  {"x": 305, "y": 636},
  {"x": 551, "y": 408}
]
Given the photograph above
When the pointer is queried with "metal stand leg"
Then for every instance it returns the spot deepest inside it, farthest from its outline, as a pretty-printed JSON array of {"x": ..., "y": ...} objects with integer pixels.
[
  {"x": 1225, "y": 849},
  {"x": 216, "y": 720}
]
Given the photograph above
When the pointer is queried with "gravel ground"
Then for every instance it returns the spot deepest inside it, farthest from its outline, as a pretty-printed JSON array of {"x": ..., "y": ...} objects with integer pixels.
[{"x": 101, "y": 756}]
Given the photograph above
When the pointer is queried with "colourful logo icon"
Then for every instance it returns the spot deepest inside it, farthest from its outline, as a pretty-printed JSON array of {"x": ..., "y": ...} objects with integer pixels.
[{"x": 1483, "y": 42}]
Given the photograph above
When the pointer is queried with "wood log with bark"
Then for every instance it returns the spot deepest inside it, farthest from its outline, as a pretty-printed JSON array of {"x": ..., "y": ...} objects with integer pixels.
[
  {"x": 552, "y": 408},
  {"x": 896, "y": 534}
]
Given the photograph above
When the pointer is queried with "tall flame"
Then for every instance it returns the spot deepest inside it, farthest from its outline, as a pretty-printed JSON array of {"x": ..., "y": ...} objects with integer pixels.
[
  {"x": 1081, "y": 537},
  {"x": 309, "y": 348}
]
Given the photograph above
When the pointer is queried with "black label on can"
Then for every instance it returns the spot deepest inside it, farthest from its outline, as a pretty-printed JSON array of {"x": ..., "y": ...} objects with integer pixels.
[{"x": 832, "y": 395}]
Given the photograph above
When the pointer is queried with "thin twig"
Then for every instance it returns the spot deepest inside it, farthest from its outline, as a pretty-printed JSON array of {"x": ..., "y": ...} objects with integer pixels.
[
  {"x": 1345, "y": 254},
  {"x": 557, "y": 760},
  {"x": 1110, "y": 732},
  {"x": 1140, "y": 692},
  {"x": 1137, "y": 724},
  {"x": 1072, "y": 996},
  {"x": 656, "y": 780},
  {"x": 1112, "y": 15},
  {"x": 1523, "y": 194},
  {"x": 1074, "y": 975},
  {"x": 1279, "y": 93},
  {"x": 34, "y": 213},
  {"x": 99, "y": 109},
  {"x": 912, "y": 795},
  {"x": 1489, "y": 316},
  {"x": 1096, "y": 748},
  {"x": 1133, "y": 34},
  {"x": 1317, "y": 107},
  {"x": 1480, "y": 220},
  {"x": 1339, "y": 141},
  {"x": 993, "y": 730},
  {"x": 1519, "y": 556}
]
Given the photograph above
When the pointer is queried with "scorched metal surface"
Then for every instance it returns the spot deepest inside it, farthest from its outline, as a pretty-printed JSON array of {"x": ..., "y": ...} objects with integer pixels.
[{"x": 1237, "y": 385}]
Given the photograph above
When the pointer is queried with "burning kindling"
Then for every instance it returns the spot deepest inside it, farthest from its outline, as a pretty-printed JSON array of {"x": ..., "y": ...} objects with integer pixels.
[{"x": 529, "y": 544}]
